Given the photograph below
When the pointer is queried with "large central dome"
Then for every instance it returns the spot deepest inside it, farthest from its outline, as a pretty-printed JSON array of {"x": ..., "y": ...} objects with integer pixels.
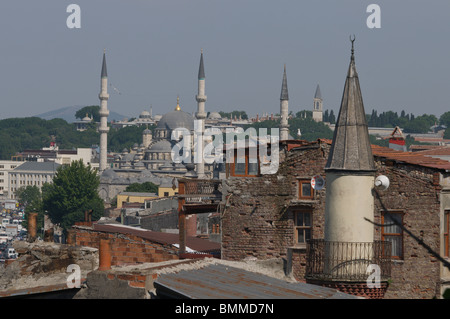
[{"x": 176, "y": 119}]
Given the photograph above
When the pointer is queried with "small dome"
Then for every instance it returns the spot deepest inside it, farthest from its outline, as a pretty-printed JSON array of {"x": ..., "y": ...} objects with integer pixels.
[
  {"x": 144, "y": 115},
  {"x": 163, "y": 146},
  {"x": 214, "y": 116}
]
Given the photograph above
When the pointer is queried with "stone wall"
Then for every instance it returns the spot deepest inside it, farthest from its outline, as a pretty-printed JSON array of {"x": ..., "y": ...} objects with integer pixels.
[{"x": 412, "y": 190}]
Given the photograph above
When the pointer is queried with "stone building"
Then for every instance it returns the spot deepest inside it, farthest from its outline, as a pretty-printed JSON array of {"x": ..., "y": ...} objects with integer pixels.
[
  {"x": 327, "y": 235},
  {"x": 272, "y": 216}
]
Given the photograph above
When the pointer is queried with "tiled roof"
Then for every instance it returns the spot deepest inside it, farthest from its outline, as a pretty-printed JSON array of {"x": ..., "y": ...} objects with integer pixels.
[{"x": 413, "y": 158}]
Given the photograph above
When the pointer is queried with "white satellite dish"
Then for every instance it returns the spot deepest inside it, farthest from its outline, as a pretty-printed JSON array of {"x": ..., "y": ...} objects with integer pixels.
[
  {"x": 317, "y": 182},
  {"x": 382, "y": 182}
]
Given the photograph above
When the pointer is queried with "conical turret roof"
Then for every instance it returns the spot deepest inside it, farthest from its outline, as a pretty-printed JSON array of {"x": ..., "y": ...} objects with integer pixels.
[{"x": 351, "y": 149}]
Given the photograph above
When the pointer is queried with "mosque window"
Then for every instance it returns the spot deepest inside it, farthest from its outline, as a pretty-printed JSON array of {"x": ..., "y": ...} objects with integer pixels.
[{"x": 392, "y": 232}]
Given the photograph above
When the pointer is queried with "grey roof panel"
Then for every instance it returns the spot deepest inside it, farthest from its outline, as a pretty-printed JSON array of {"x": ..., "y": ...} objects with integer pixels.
[
  {"x": 38, "y": 166},
  {"x": 217, "y": 281}
]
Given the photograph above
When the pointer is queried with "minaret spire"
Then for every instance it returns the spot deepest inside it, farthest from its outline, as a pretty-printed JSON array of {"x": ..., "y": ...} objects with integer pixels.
[
  {"x": 351, "y": 148},
  {"x": 201, "y": 116},
  {"x": 103, "y": 129},
  {"x": 284, "y": 108}
]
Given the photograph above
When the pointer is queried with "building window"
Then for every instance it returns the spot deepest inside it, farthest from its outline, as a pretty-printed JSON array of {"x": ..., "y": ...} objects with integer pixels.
[
  {"x": 245, "y": 165},
  {"x": 166, "y": 194},
  {"x": 446, "y": 232},
  {"x": 305, "y": 190},
  {"x": 302, "y": 226},
  {"x": 393, "y": 233}
]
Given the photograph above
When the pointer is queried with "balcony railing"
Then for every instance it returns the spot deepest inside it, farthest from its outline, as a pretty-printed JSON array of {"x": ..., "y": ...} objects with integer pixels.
[
  {"x": 346, "y": 261},
  {"x": 200, "y": 190}
]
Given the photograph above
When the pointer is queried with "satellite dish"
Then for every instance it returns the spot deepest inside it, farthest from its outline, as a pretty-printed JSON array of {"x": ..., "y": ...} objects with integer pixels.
[
  {"x": 382, "y": 182},
  {"x": 317, "y": 182}
]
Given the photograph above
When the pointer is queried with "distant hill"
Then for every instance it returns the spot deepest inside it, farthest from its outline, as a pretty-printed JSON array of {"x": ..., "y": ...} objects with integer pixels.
[{"x": 68, "y": 114}]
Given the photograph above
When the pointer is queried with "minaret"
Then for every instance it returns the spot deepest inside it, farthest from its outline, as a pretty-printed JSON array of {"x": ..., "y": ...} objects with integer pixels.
[
  {"x": 284, "y": 109},
  {"x": 201, "y": 115},
  {"x": 103, "y": 129},
  {"x": 350, "y": 170},
  {"x": 318, "y": 104}
]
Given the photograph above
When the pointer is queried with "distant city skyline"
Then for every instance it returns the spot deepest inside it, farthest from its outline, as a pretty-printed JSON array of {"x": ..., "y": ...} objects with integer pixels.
[{"x": 153, "y": 51}]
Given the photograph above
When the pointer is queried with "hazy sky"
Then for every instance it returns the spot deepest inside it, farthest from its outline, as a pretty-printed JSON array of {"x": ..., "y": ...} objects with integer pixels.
[{"x": 153, "y": 51}]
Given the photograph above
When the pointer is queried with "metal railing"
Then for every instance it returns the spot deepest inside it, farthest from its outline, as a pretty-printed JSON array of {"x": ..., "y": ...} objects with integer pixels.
[
  {"x": 200, "y": 190},
  {"x": 347, "y": 261}
]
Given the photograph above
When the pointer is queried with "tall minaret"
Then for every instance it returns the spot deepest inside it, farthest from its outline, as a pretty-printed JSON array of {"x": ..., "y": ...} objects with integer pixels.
[
  {"x": 350, "y": 170},
  {"x": 318, "y": 105},
  {"x": 201, "y": 114},
  {"x": 284, "y": 109},
  {"x": 103, "y": 129}
]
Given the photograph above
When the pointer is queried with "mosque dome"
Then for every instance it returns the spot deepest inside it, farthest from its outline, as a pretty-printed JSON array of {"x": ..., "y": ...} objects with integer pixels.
[
  {"x": 163, "y": 146},
  {"x": 145, "y": 115},
  {"x": 214, "y": 116},
  {"x": 176, "y": 119}
]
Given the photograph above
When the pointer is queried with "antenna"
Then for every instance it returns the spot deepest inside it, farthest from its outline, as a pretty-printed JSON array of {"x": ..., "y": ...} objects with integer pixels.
[
  {"x": 317, "y": 182},
  {"x": 382, "y": 182}
]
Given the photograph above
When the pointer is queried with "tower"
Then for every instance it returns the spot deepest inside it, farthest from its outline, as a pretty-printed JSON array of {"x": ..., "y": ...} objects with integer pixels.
[
  {"x": 146, "y": 138},
  {"x": 103, "y": 129},
  {"x": 350, "y": 170},
  {"x": 318, "y": 105},
  {"x": 201, "y": 116},
  {"x": 284, "y": 109}
]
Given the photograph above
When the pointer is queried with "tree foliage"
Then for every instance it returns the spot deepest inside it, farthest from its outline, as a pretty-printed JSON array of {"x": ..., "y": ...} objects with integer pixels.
[
  {"x": 233, "y": 114},
  {"x": 91, "y": 111},
  {"x": 147, "y": 187},
  {"x": 73, "y": 191},
  {"x": 126, "y": 137}
]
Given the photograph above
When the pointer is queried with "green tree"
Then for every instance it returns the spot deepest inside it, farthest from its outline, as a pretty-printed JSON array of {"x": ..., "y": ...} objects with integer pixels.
[
  {"x": 147, "y": 187},
  {"x": 73, "y": 191},
  {"x": 445, "y": 119},
  {"x": 92, "y": 110}
]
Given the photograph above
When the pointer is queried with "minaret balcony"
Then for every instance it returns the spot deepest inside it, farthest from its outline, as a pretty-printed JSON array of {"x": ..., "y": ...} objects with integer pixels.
[
  {"x": 103, "y": 113},
  {"x": 200, "y": 98}
]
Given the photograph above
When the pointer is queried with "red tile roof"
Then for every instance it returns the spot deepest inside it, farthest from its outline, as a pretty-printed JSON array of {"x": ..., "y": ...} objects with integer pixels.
[{"x": 414, "y": 158}]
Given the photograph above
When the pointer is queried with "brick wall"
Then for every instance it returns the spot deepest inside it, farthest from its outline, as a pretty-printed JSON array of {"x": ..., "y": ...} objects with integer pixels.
[
  {"x": 412, "y": 190},
  {"x": 126, "y": 249},
  {"x": 258, "y": 217}
]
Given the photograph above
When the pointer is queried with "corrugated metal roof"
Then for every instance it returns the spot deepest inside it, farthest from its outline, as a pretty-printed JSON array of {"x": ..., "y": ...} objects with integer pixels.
[{"x": 217, "y": 281}]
